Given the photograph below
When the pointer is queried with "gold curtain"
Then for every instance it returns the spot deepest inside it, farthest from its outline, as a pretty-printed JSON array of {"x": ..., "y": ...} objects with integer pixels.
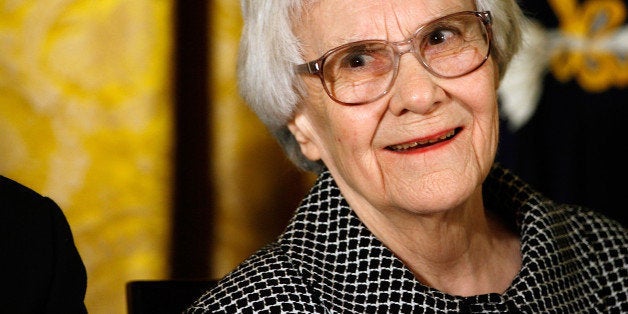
[
  {"x": 85, "y": 118},
  {"x": 257, "y": 188}
]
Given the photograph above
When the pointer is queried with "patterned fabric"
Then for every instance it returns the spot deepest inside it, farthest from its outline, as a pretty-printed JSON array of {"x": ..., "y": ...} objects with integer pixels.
[{"x": 327, "y": 261}]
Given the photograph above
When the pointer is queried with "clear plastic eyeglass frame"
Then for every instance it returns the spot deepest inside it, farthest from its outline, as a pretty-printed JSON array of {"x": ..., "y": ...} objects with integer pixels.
[{"x": 363, "y": 71}]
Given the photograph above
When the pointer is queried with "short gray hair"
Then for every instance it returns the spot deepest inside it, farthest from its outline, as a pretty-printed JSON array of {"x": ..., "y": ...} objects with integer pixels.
[{"x": 269, "y": 51}]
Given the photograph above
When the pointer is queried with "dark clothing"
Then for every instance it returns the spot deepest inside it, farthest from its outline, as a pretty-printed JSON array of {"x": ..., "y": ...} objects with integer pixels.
[
  {"x": 327, "y": 261},
  {"x": 42, "y": 271}
]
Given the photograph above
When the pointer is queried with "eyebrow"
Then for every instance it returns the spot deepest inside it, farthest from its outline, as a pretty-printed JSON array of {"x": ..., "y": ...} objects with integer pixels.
[
  {"x": 339, "y": 40},
  {"x": 343, "y": 39}
]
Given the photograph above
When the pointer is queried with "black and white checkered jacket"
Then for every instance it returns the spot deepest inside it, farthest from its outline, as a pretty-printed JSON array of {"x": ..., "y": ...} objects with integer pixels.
[{"x": 327, "y": 261}]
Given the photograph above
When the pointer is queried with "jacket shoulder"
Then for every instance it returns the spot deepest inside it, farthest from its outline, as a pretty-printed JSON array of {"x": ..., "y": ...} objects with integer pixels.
[
  {"x": 41, "y": 258},
  {"x": 266, "y": 282},
  {"x": 13, "y": 193}
]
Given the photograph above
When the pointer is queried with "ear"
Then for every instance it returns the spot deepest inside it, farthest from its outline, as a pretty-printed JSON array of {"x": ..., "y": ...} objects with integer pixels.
[{"x": 304, "y": 133}]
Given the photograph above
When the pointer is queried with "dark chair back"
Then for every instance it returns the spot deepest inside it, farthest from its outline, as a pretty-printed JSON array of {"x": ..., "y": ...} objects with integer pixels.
[{"x": 164, "y": 296}]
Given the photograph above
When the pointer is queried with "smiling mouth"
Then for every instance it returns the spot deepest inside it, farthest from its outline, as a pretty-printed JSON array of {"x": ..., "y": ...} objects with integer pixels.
[{"x": 425, "y": 143}]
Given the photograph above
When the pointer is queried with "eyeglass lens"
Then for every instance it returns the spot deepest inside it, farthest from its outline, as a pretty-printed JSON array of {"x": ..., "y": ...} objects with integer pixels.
[{"x": 363, "y": 71}]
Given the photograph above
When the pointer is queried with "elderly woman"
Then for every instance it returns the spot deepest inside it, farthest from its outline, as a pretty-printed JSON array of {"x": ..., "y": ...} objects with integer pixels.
[{"x": 394, "y": 104}]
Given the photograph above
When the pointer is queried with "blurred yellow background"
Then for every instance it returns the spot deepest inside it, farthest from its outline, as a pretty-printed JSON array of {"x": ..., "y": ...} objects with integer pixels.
[{"x": 86, "y": 118}]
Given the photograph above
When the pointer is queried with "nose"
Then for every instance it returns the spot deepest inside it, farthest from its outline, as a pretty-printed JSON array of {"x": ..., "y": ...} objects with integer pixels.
[{"x": 415, "y": 89}]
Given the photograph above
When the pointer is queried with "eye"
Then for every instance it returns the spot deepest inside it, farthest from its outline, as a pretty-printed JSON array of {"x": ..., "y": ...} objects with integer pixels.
[
  {"x": 440, "y": 36},
  {"x": 359, "y": 61},
  {"x": 356, "y": 58},
  {"x": 356, "y": 61}
]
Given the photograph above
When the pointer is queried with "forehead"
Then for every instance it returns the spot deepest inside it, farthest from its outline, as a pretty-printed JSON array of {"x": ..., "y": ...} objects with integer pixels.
[{"x": 326, "y": 24}]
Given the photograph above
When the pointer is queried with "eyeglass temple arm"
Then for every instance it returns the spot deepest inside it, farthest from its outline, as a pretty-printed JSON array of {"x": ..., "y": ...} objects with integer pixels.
[
  {"x": 487, "y": 17},
  {"x": 311, "y": 67}
]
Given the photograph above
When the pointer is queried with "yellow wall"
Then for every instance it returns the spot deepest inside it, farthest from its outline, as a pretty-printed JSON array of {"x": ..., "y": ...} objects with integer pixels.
[
  {"x": 85, "y": 118},
  {"x": 257, "y": 187}
]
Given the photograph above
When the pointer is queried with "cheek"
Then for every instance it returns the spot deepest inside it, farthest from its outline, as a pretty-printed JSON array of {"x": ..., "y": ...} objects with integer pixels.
[
  {"x": 486, "y": 129},
  {"x": 344, "y": 131},
  {"x": 479, "y": 93},
  {"x": 483, "y": 106},
  {"x": 482, "y": 95},
  {"x": 357, "y": 125},
  {"x": 347, "y": 133},
  {"x": 337, "y": 124},
  {"x": 314, "y": 91}
]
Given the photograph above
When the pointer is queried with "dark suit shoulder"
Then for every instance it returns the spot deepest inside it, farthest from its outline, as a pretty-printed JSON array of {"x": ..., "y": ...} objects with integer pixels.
[
  {"x": 24, "y": 212},
  {"x": 42, "y": 266},
  {"x": 16, "y": 194}
]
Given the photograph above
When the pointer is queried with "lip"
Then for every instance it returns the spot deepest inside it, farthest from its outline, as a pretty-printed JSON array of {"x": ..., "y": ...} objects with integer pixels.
[{"x": 425, "y": 142}]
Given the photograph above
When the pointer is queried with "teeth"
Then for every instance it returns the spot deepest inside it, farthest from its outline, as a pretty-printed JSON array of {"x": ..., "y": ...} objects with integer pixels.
[{"x": 422, "y": 143}]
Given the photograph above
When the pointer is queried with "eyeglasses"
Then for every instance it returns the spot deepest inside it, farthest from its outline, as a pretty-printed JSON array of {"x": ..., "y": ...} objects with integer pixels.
[{"x": 363, "y": 71}]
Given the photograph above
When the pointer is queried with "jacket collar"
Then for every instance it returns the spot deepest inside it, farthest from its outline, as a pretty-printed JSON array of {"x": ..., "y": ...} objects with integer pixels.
[{"x": 347, "y": 267}]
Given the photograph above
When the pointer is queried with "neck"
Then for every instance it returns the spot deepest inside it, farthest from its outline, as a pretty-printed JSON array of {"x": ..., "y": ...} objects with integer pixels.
[{"x": 461, "y": 252}]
